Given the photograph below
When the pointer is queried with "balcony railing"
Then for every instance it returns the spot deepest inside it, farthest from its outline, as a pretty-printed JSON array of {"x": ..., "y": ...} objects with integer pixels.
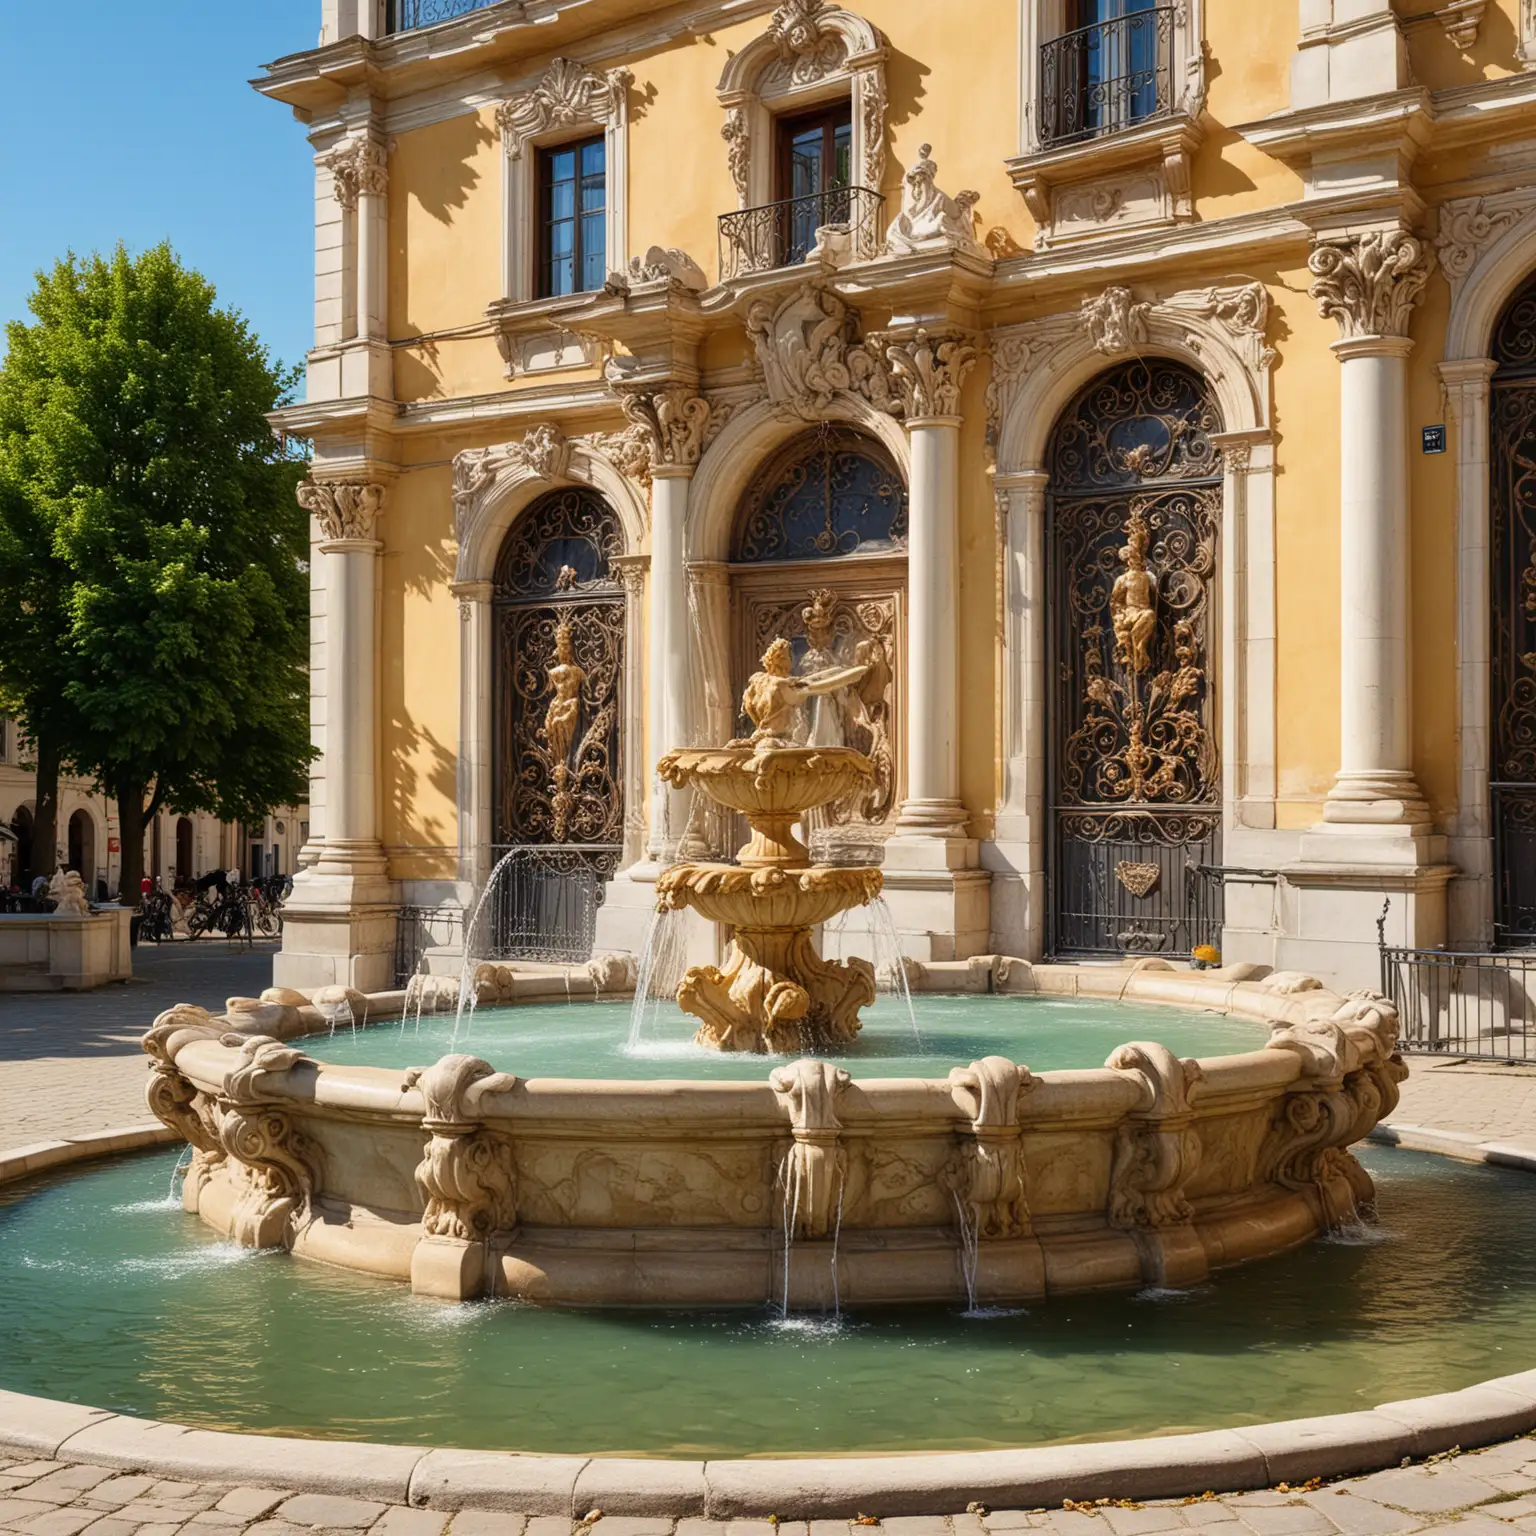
[
  {"x": 782, "y": 234},
  {"x": 407, "y": 15},
  {"x": 1112, "y": 75}
]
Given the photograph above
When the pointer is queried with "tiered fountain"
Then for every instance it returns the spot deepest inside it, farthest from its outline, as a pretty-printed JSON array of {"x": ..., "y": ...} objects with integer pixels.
[{"x": 775, "y": 993}]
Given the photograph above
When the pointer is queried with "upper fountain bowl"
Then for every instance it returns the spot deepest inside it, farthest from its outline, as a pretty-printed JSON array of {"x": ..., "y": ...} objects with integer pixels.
[{"x": 773, "y": 786}]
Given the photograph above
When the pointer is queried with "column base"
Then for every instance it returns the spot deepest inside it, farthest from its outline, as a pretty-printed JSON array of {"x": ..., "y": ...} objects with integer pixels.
[
  {"x": 339, "y": 924},
  {"x": 1375, "y": 800},
  {"x": 932, "y": 818},
  {"x": 1018, "y": 898},
  {"x": 1337, "y": 893}
]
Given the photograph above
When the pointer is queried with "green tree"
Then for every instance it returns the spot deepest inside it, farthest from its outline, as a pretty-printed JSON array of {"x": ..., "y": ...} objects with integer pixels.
[{"x": 133, "y": 430}]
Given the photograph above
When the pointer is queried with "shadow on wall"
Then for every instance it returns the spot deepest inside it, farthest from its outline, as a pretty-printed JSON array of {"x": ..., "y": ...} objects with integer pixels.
[{"x": 410, "y": 743}]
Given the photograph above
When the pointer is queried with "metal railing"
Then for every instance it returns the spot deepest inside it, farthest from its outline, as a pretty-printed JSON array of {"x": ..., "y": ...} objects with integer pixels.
[
  {"x": 544, "y": 901},
  {"x": 783, "y": 234},
  {"x": 1098, "y": 79},
  {"x": 408, "y": 15},
  {"x": 1470, "y": 1003},
  {"x": 418, "y": 929}
]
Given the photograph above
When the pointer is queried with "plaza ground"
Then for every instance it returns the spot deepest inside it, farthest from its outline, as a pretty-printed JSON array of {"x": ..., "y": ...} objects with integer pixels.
[{"x": 71, "y": 1065}]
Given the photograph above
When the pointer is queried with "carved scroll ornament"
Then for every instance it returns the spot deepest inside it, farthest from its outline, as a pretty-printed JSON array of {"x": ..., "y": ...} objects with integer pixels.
[
  {"x": 1369, "y": 285},
  {"x": 345, "y": 509},
  {"x": 988, "y": 1091},
  {"x": 567, "y": 93},
  {"x": 1157, "y": 1151},
  {"x": 466, "y": 1175},
  {"x": 357, "y": 165},
  {"x": 815, "y": 1170}
]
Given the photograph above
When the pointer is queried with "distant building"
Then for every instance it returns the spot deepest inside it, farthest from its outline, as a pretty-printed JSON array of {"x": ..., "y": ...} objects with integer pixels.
[{"x": 175, "y": 847}]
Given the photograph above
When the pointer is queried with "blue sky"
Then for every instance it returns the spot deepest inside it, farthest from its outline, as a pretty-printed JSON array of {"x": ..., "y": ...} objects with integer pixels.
[{"x": 131, "y": 120}]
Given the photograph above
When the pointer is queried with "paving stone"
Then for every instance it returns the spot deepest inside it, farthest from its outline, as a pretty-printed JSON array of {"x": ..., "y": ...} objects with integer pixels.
[
  {"x": 215, "y": 1520},
  {"x": 487, "y": 1522},
  {"x": 157, "y": 1512},
  {"x": 15, "y": 1511},
  {"x": 1356, "y": 1516},
  {"x": 915, "y": 1525},
  {"x": 1021, "y": 1519},
  {"x": 967, "y": 1525},
  {"x": 621, "y": 1525},
  {"x": 1476, "y": 1524},
  {"x": 251, "y": 1503},
  {"x": 1509, "y": 1509},
  {"x": 1139, "y": 1522},
  {"x": 80, "y": 1478},
  {"x": 275, "y": 1528},
  {"x": 109, "y": 1525},
  {"x": 548, "y": 1525},
  {"x": 1286, "y": 1520},
  {"x": 331, "y": 1511},
  {"x": 122, "y": 1490},
  {"x": 1424, "y": 1490},
  {"x": 170, "y": 1488},
  {"x": 732, "y": 1528},
  {"x": 37, "y": 1468},
  {"x": 58, "y": 1522},
  {"x": 159, "y": 1529},
  {"x": 709, "y": 1528},
  {"x": 1207, "y": 1512},
  {"x": 397, "y": 1520}
]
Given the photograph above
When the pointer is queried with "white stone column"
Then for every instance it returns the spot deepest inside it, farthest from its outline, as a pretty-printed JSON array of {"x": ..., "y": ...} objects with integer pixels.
[
  {"x": 341, "y": 925},
  {"x": 1468, "y": 387},
  {"x": 359, "y": 168},
  {"x": 475, "y": 715},
  {"x": 674, "y": 420},
  {"x": 1016, "y": 854},
  {"x": 929, "y": 372},
  {"x": 1369, "y": 287},
  {"x": 1376, "y": 843},
  {"x": 632, "y": 570}
]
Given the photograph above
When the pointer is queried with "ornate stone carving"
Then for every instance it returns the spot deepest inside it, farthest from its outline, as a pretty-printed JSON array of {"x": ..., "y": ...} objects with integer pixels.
[
  {"x": 816, "y": 1167},
  {"x": 988, "y": 1091},
  {"x": 567, "y": 93},
  {"x": 357, "y": 165},
  {"x": 1156, "y": 1149},
  {"x": 738, "y": 148},
  {"x": 346, "y": 509},
  {"x": 1241, "y": 309},
  {"x": 545, "y": 452},
  {"x": 171, "y": 1097},
  {"x": 1467, "y": 224},
  {"x": 1461, "y": 20},
  {"x": 674, "y": 421},
  {"x": 1011, "y": 355},
  {"x": 66, "y": 890},
  {"x": 931, "y": 219},
  {"x": 628, "y": 451},
  {"x": 1369, "y": 285},
  {"x": 1115, "y": 321},
  {"x": 275, "y": 1168},
  {"x": 928, "y": 371},
  {"x": 1526, "y": 52},
  {"x": 260, "y": 1057},
  {"x": 807, "y": 48},
  {"x": 660, "y": 265},
  {"x": 807, "y": 357},
  {"x": 872, "y": 108},
  {"x": 467, "y": 1175}
]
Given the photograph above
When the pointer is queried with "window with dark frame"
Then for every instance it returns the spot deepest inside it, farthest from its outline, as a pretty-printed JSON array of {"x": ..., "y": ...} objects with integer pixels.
[
  {"x": 814, "y": 172},
  {"x": 573, "y": 218},
  {"x": 1110, "y": 69}
]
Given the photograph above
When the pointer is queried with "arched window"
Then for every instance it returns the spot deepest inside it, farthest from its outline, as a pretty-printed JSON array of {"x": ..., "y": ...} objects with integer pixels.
[{"x": 829, "y": 492}]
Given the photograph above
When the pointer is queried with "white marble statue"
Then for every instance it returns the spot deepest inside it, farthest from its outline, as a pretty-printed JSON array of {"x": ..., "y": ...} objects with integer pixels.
[{"x": 67, "y": 892}]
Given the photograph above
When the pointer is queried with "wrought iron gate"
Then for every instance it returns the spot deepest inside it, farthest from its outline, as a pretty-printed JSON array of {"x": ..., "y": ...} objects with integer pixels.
[
  {"x": 1512, "y": 504},
  {"x": 558, "y": 678},
  {"x": 1134, "y": 508}
]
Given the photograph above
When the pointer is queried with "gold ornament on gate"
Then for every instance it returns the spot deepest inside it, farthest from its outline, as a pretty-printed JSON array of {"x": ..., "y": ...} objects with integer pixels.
[{"x": 566, "y": 680}]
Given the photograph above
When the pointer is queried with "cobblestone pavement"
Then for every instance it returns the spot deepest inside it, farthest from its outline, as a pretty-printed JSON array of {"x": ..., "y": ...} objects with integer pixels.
[
  {"x": 1472, "y": 1098},
  {"x": 70, "y": 1061},
  {"x": 1481, "y": 1493}
]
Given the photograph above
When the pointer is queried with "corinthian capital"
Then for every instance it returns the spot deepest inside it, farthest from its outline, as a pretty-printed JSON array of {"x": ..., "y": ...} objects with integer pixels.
[
  {"x": 1369, "y": 284},
  {"x": 357, "y": 165},
  {"x": 674, "y": 422},
  {"x": 927, "y": 372},
  {"x": 346, "y": 509}
]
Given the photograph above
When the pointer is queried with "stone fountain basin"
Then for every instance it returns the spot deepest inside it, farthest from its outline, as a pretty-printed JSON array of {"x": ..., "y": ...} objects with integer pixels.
[
  {"x": 1150, "y": 1170},
  {"x": 770, "y": 781},
  {"x": 766, "y": 898}
]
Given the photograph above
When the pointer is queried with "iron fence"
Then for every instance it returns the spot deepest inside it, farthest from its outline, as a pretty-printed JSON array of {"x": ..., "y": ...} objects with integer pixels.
[
  {"x": 543, "y": 902},
  {"x": 784, "y": 233},
  {"x": 418, "y": 929},
  {"x": 1111, "y": 75},
  {"x": 1470, "y": 1003},
  {"x": 407, "y": 15}
]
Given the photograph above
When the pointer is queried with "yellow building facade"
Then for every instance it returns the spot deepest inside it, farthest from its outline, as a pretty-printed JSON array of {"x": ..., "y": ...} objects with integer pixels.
[{"x": 1136, "y": 394}]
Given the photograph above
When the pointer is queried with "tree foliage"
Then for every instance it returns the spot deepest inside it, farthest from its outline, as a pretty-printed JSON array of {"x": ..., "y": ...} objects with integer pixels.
[{"x": 150, "y": 544}]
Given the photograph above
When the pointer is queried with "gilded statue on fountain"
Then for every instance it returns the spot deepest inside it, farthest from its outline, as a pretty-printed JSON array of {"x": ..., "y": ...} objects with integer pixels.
[{"x": 775, "y": 992}]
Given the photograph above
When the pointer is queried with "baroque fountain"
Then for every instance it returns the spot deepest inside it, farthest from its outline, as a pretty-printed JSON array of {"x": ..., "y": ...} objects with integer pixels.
[{"x": 805, "y": 1187}]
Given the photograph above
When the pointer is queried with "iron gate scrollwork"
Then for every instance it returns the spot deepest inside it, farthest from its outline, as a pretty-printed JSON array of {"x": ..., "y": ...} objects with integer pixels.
[
  {"x": 1512, "y": 504},
  {"x": 559, "y": 666},
  {"x": 1134, "y": 508}
]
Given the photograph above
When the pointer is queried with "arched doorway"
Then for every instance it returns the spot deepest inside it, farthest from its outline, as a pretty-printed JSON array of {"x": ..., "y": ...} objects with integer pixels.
[
  {"x": 21, "y": 825},
  {"x": 819, "y": 558},
  {"x": 82, "y": 846},
  {"x": 1512, "y": 683},
  {"x": 184, "y": 870},
  {"x": 1133, "y": 510},
  {"x": 558, "y": 670}
]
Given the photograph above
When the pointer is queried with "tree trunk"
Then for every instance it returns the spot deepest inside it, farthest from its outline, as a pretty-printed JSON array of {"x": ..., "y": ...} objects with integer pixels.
[
  {"x": 130, "y": 826},
  {"x": 45, "y": 818}
]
